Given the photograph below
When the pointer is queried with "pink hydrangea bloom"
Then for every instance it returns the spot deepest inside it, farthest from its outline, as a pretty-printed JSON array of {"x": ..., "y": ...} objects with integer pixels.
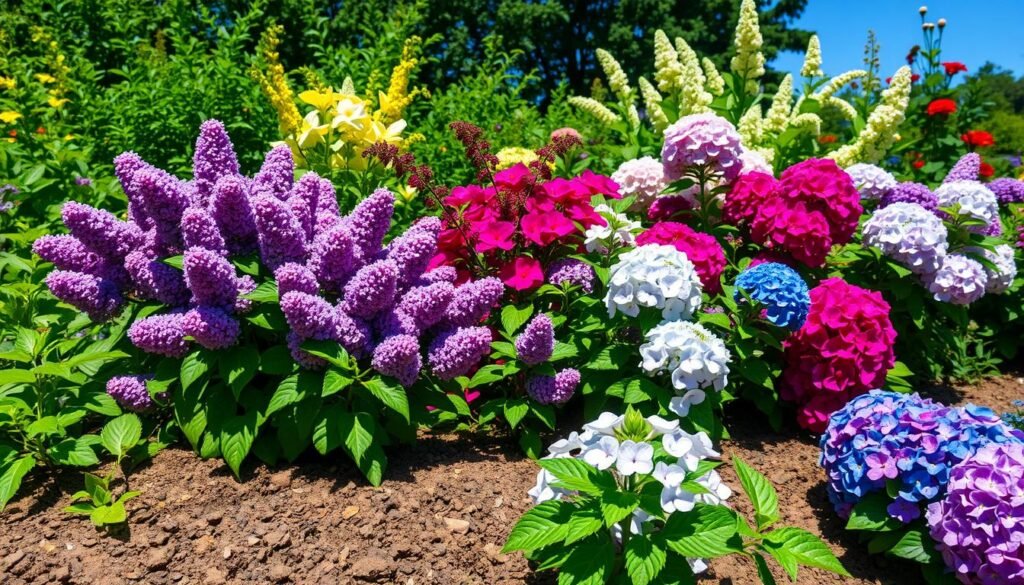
[{"x": 702, "y": 140}]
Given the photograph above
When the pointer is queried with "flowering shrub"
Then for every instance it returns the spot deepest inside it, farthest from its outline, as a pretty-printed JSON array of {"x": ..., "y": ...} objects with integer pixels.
[
  {"x": 779, "y": 289},
  {"x": 599, "y": 516}
]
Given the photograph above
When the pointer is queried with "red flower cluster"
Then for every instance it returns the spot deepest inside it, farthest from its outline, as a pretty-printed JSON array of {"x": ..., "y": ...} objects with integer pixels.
[
  {"x": 986, "y": 170},
  {"x": 702, "y": 249},
  {"x": 844, "y": 349},
  {"x": 977, "y": 138},
  {"x": 941, "y": 107},
  {"x": 513, "y": 221},
  {"x": 954, "y": 67},
  {"x": 812, "y": 207}
]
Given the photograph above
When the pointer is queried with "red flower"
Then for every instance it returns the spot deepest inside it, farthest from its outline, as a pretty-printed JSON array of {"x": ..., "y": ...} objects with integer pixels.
[
  {"x": 977, "y": 138},
  {"x": 917, "y": 164},
  {"x": 954, "y": 67},
  {"x": 915, "y": 78},
  {"x": 40, "y": 130},
  {"x": 523, "y": 273},
  {"x": 827, "y": 138},
  {"x": 986, "y": 170},
  {"x": 941, "y": 106}
]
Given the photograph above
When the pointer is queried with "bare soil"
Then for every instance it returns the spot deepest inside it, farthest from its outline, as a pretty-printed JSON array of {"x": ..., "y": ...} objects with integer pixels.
[{"x": 441, "y": 517}]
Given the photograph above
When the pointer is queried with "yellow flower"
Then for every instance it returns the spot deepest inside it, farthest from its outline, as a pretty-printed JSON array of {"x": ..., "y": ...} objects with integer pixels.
[
  {"x": 56, "y": 102},
  {"x": 392, "y": 104},
  {"x": 407, "y": 193},
  {"x": 321, "y": 100},
  {"x": 8, "y": 83},
  {"x": 69, "y": 137},
  {"x": 512, "y": 155},
  {"x": 311, "y": 132},
  {"x": 9, "y": 117},
  {"x": 45, "y": 78},
  {"x": 274, "y": 82},
  {"x": 350, "y": 115}
]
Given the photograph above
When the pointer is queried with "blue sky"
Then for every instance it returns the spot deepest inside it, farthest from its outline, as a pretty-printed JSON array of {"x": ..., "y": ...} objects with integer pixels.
[{"x": 978, "y": 31}]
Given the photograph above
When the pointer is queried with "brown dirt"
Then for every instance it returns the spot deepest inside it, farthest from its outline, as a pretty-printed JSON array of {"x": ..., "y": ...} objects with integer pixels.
[{"x": 441, "y": 517}]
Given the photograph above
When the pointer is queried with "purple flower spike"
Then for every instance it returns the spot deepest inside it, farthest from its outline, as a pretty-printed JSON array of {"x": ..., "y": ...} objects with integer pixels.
[
  {"x": 302, "y": 357},
  {"x": 537, "y": 341},
  {"x": 210, "y": 277},
  {"x": 331, "y": 258},
  {"x": 455, "y": 352},
  {"x": 965, "y": 169},
  {"x": 155, "y": 280},
  {"x": 310, "y": 316},
  {"x": 130, "y": 392},
  {"x": 911, "y": 193},
  {"x": 68, "y": 253},
  {"x": 557, "y": 389},
  {"x": 326, "y": 198},
  {"x": 369, "y": 222},
  {"x": 232, "y": 212},
  {"x": 277, "y": 174},
  {"x": 428, "y": 225},
  {"x": 166, "y": 198},
  {"x": 211, "y": 327},
  {"x": 353, "y": 334},
  {"x": 100, "y": 231},
  {"x": 573, "y": 272},
  {"x": 295, "y": 277},
  {"x": 411, "y": 253},
  {"x": 440, "y": 274},
  {"x": 1008, "y": 190},
  {"x": 280, "y": 234},
  {"x": 199, "y": 230},
  {"x": 395, "y": 322},
  {"x": 399, "y": 357},
  {"x": 96, "y": 296},
  {"x": 214, "y": 158},
  {"x": 325, "y": 222},
  {"x": 473, "y": 300},
  {"x": 160, "y": 334},
  {"x": 427, "y": 304},
  {"x": 372, "y": 289},
  {"x": 305, "y": 197},
  {"x": 126, "y": 165},
  {"x": 245, "y": 286}
]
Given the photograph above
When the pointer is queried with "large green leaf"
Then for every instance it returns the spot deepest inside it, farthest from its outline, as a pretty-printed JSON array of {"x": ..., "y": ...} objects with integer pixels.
[
  {"x": 513, "y": 318},
  {"x": 121, "y": 434},
  {"x": 871, "y": 514},
  {"x": 761, "y": 493},
  {"x": 915, "y": 545},
  {"x": 238, "y": 365},
  {"x": 617, "y": 505},
  {"x": 193, "y": 367},
  {"x": 329, "y": 430},
  {"x": 540, "y": 526},
  {"x": 589, "y": 562},
  {"x": 391, "y": 395},
  {"x": 236, "y": 438},
  {"x": 585, "y": 520},
  {"x": 11, "y": 476},
  {"x": 106, "y": 515},
  {"x": 515, "y": 409},
  {"x": 644, "y": 559},
  {"x": 796, "y": 544},
  {"x": 762, "y": 570},
  {"x": 189, "y": 412},
  {"x": 16, "y": 376},
  {"x": 705, "y": 532},
  {"x": 573, "y": 474},
  {"x": 77, "y": 452}
]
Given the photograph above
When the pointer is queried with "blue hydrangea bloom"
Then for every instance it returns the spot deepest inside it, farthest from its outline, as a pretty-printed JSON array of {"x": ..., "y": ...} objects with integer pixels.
[
  {"x": 912, "y": 442},
  {"x": 779, "y": 289}
]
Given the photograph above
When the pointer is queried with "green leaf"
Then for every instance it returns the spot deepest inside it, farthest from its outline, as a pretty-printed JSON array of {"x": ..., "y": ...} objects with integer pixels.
[
  {"x": 189, "y": 412},
  {"x": 11, "y": 476},
  {"x": 761, "y": 493},
  {"x": 915, "y": 545},
  {"x": 16, "y": 376},
  {"x": 81, "y": 508},
  {"x": 175, "y": 261},
  {"x": 762, "y": 570},
  {"x": 573, "y": 474},
  {"x": 236, "y": 438},
  {"x": 88, "y": 358},
  {"x": 706, "y": 531},
  {"x": 540, "y": 526},
  {"x": 238, "y": 365},
  {"x": 512, "y": 318},
  {"x": 286, "y": 394},
  {"x": 266, "y": 292},
  {"x": 332, "y": 351},
  {"x": 335, "y": 381},
  {"x": 616, "y": 505},
  {"x": 330, "y": 430},
  {"x": 584, "y": 521},
  {"x": 804, "y": 548},
  {"x": 77, "y": 452},
  {"x": 107, "y": 515},
  {"x": 48, "y": 425},
  {"x": 871, "y": 514},
  {"x": 515, "y": 410},
  {"x": 391, "y": 395},
  {"x": 98, "y": 402},
  {"x": 121, "y": 434},
  {"x": 529, "y": 442},
  {"x": 563, "y": 351},
  {"x": 277, "y": 361},
  {"x": 588, "y": 562},
  {"x": 487, "y": 375},
  {"x": 644, "y": 559},
  {"x": 611, "y": 357},
  {"x": 193, "y": 367}
]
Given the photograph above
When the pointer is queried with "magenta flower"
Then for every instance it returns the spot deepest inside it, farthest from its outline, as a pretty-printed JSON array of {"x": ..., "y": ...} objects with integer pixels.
[{"x": 523, "y": 273}]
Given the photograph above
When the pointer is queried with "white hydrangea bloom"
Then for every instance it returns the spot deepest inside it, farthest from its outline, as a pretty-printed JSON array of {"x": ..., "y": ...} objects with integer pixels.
[
  {"x": 655, "y": 275},
  {"x": 1001, "y": 278},
  {"x": 693, "y": 357},
  {"x": 909, "y": 234},
  {"x": 617, "y": 232},
  {"x": 642, "y": 178},
  {"x": 975, "y": 201},
  {"x": 754, "y": 162},
  {"x": 960, "y": 280},
  {"x": 634, "y": 458},
  {"x": 871, "y": 180}
]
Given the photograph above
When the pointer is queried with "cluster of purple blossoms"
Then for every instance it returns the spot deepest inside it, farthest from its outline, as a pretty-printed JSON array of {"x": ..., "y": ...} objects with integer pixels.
[
  {"x": 557, "y": 389},
  {"x": 130, "y": 392},
  {"x": 910, "y": 193},
  {"x": 883, "y": 437},
  {"x": 537, "y": 341},
  {"x": 572, "y": 272}
]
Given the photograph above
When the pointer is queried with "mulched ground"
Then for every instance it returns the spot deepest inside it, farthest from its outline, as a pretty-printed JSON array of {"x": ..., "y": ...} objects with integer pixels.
[{"x": 440, "y": 517}]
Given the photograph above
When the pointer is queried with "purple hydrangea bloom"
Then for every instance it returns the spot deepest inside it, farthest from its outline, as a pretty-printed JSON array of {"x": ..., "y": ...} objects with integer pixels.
[
  {"x": 965, "y": 169},
  {"x": 427, "y": 304},
  {"x": 411, "y": 253},
  {"x": 166, "y": 198},
  {"x": 83, "y": 181},
  {"x": 210, "y": 277},
  {"x": 456, "y": 351},
  {"x": 211, "y": 327},
  {"x": 1008, "y": 190},
  {"x": 233, "y": 213},
  {"x": 372, "y": 289},
  {"x": 98, "y": 297},
  {"x": 369, "y": 222},
  {"x": 199, "y": 230},
  {"x": 573, "y": 272},
  {"x": 977, "y": 527},
  {"x": 331, "y": 258},
  {"x": 310, "y": 316},
  {"x": 214, "y": 158},
  {"x": 126, "y": 165},
  {"x": 276, "y": 176},
  {"x": 557, "y": 389},
  {"x": 473, "y": 300},
  {"x": 100, "y": 231},
  {"x": 702, "y": 140},
  {"x": 295, "y": 277},
  {"x": 537, "y": 341},
  {"x": 152, "y": 279},
  {"x": 280, "y": 234},
  {"x": 68, "y": 253},
  {"x": 130, "y": 392},
  {"x": 160, "y": 334},
  {"x": 245, "y": 285},
  {"x": 911, "y": 193},
  {"x": 447, "y": 274},
  {"x": 399, "y": 357}
]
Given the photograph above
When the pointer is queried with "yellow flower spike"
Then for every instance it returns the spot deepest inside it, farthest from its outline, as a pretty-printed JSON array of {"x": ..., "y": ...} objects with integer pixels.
[
  {"x": 274, "y": 83},
  {"x": 812, "y": 59},
  {"x": 748, "y": 63},
  {"x": 596, "y": 109},
  {"x": 510, "y": 156},
  {"x": 667, "y": 68},
  {"x": 45, "y": 78},
  {"x": 9, "y": 117},
  {"x": 778, "y": 114},
  {"x": 878, "y": 134}
]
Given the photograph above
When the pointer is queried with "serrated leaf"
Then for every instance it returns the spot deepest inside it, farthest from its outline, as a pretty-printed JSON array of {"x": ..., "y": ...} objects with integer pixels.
[
  {"x": 762, "y": 570},
  {"x": 11, "y": 476},
  {"x": 107, "y": 515},
  {"x": 871, "y": 514},
  {"x": 513, "y": 318},
  {"x": 515, "y": 410},
  {"x": 193, "y": 367},
  {"x": 584, "y": 521},
  {"x": 77, "y": 452},
  {"x": 391, "y": 395},
  {"x": 329, "y": 430},
  {"x": 760, "y": 492},
  {"x": 705, "y": 532},
  {"x": 644, "y": 559},
  {"x": 915, "y": 545},
  {"x": 236, "y": 438},
  {"x": 335, "y": 381},
  {"x": 616, "y": 505},
  {"x": 190, "y": 414},
  {"x": 588, "y": 563},
  {"x": 285, "y": 394},
  {"x": 573, "y": 474},
  {"x": 121, "y": 434},
  {"x": 238, "y": 365},
  {"x": 540, "y": 526},
  {"x": 804, "y": 548}
]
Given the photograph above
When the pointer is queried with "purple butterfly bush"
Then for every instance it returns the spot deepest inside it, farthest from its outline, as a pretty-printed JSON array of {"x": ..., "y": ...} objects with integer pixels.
[{"x": 336, "y": 280}]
